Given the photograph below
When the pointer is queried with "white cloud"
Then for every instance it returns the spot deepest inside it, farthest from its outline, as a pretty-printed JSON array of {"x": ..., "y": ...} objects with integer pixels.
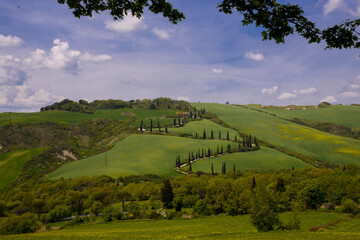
[
  {"x": 286, "y": 95},
  {"x": 180, "y": 98},
  {"x": 254, "y": 56},
  {"x": 357, "y": 78},
  {"x": 24, "y": 98},
  {"x": 329, "y": 99},
  {"x": 61, "y": 57},
  {"x": 128, "y": 24},
  {"x": 271, "y": 90},
  {"x": 306, "y": 91},
  {"x": 162, "y": 34},
  {"x": 350, "y": 94},
  {"x": 332, "y": 5},
  {"x": 95, "y": 58},
  {"x": 10, "y": 41},
  {"x": 11, "y": 72},
  {"x": 217, "y": 70},
  {"x": 354, "y": 86}
]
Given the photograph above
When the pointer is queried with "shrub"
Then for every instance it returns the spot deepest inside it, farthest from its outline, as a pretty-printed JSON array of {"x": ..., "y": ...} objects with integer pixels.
[
  {"x": 201, "y": 208},
  {"x": 349, "y": 206},
  {"x": 3, "y": 208},
  {"x": 58, "y": 213},
  {"x": 264, "y": 219},
  {"x": 26, "y": 223}
]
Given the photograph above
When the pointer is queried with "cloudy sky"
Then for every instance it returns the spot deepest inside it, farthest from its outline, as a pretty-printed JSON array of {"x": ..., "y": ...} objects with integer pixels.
[{"x": 46, "y": 55}]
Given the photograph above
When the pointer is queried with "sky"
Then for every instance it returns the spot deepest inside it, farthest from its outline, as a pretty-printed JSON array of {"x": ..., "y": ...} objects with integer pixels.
[{"x": 47, "y": 55}]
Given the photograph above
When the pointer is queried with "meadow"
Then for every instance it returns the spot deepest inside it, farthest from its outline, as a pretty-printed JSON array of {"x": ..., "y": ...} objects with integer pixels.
[
  {"x": 348, "y": 116},
  {"x": 308, "y": 141},
  {"x": 198, "y": 127},
  {"x": 138, "y": 154},
  {"x": 12, "y": 162},
  {"x": 264, "y": 158},
  {"x": 213, "y": 227}
]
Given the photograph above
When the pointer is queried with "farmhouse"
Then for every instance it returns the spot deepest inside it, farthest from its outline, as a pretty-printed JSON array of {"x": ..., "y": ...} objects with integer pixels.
[{"x": 182, "y": 114}]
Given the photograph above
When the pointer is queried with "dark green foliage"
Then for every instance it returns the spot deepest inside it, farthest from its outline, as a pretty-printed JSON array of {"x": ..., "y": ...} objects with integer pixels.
[
  {"x": 166, "y": 194},
  {"x": 264, "y": 219},
  {"x": 204, "y": 134},
  {"x": 201, "y": 208},
  {"x": 166, "y": 129},
  {"x": 227, "y": 136},
  {"x": 219, "y": 134},
  {"x": 253, "y": 183},
  {"x": 212, "y": 168},
  {"x": 280, "y": 20},
  {"x": 349, "y": 206},
  {"x": 3, "y": 208},
  {"x": 280, "y": 185},
  {"x": 212, "y": 134},
  {"x": 312, "y": 196},
  {"x": 151, "y": 125},
  {"x": 59, "y": 212},
  {"x": 26, "y": 223},
  {"x": 85, "y": 107}
]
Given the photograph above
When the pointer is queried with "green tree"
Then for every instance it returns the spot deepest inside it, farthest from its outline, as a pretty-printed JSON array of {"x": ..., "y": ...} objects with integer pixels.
[
  {"x": 312, "y": 196},
  {"x": 166, "y": 194},
  {"x": 212, "y": 134},
  {"x": 204, "y": 134}
]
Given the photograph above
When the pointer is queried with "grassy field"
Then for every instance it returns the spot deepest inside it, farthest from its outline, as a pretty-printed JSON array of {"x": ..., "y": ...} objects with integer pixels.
[
  {"x": 265, "y": 158},
  {"x": 348, "y": 116},
  {"x": 12, "y": 162},
  {"x": 214, "y": 227},
  {"x": 72, "y": 117},
  {"x": 138, "y": 154},
  {"x": 207, "y": 125},
  {"x": 297, "y": 138}
]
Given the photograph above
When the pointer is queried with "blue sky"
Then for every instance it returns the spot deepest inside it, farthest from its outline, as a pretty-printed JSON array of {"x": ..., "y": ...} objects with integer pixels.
[{"x": 46, "y": 55}]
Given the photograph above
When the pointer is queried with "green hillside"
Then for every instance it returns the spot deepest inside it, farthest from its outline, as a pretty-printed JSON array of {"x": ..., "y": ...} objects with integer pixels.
[
  {"x": 288, "y": 135},
  {"x": 348, "y": 116},
  {"x": 207, "y": 125},
  {"x": 12, "y": 162},
  {"x": 264, "y": 158},
  {"x": 74, "y": 117},
  {"x": 137, "y": 154}
]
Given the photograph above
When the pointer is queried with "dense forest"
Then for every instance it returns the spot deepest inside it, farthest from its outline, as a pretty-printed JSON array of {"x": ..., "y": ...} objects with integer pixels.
[{"x": 263, "y": 194}]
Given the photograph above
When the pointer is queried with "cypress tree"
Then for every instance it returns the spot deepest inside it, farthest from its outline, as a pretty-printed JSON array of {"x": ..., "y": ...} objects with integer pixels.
[
  {"x": 212, "y": 168},
  {"x": 174, "y": 122},
  {"x": 228, "y": 148},
  {"x": 227, "y": 136},
  {"x": 212, "y": 134},
  {"x": 151, "y": 125},
  {"x": 224, "y": 167},
  {"x": 192, "y": 156},
  {"x": 189, "y": 157},
  {"x": 159, "y": 126},
  {"x": 250, "y": 141},
  {"x": 141, "y": 125},
  {"x": 199, "y": 153},
  {"x": 292, "y": 168},
  {"x": 209, "y": 152},
  {"x": 204, "y": 134},
  {"x": 219, "y": 134},
  {"x": 196, "y": 155},
  {"x": 190, "y": 168},
  {"x": 235, "y": 138},
  {"x": 196, "y": 135},
  {"x": 166, "y": 130},
  {"x": 253, "y": 184},
  {"x": 256, "y": 143},
  {"x": 166, "y": 194},
  {"x": 244, "y": 144},
  {"x": 234, "y": 169},
  {"x": 179, "y": 122}
]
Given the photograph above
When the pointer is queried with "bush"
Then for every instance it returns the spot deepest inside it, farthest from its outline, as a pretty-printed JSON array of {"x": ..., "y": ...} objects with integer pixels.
[
  {"x": 264, "y": 219},
  {"x": 153, "y": 215},
  {"x": 349, "y": 206},
  {"x": 58, "y": 213},
  {"x": 27, "y": 223},
  {"x": 201, "y": 208},
  {"x": 3, "y": 208}
]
